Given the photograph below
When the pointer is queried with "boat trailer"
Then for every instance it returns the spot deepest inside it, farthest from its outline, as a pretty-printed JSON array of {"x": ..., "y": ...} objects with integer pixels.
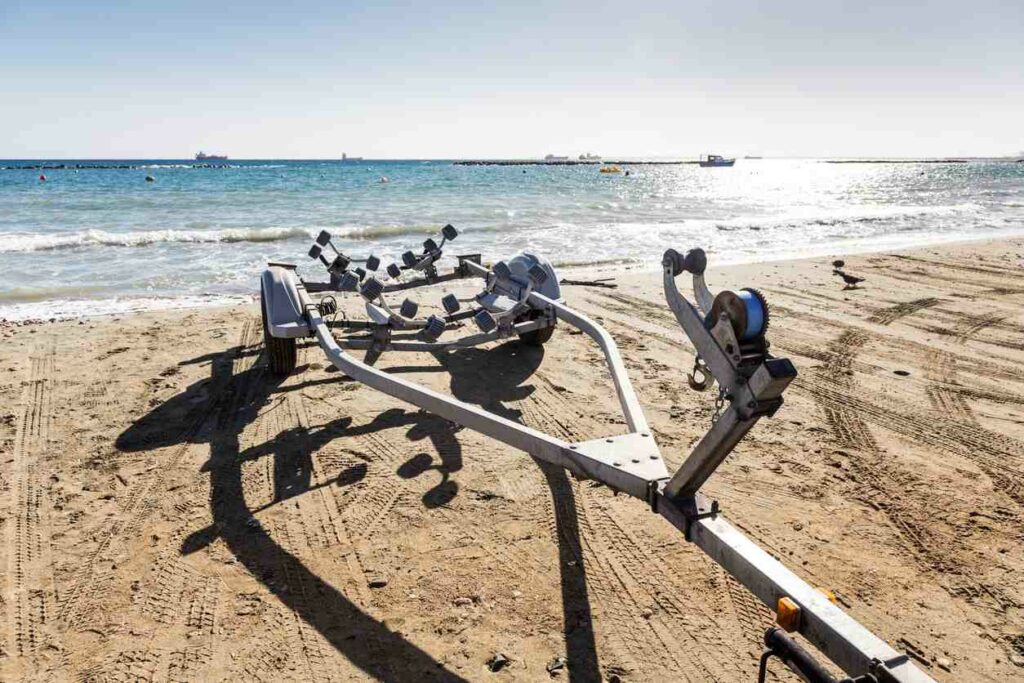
[{"x": 521, "y": 297}]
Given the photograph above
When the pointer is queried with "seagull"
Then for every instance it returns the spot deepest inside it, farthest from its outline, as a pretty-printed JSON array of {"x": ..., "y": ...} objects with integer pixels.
[{"x": 852, "y": 281}]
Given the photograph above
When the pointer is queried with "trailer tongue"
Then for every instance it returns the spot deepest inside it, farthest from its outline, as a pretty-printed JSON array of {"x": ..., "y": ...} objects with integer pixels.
[{"x": 521, "y": 298}]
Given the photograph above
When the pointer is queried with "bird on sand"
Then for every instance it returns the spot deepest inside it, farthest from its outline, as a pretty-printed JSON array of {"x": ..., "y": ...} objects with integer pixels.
[{"x": 852, "y": 281}]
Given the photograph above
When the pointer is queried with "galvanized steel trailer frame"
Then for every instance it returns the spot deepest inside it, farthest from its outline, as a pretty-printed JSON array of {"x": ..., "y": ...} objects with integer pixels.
[{"x": 632, "y": 463}]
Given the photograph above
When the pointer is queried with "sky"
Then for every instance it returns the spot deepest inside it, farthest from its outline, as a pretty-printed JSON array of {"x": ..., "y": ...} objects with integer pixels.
[{"x": 460, "y": 79}]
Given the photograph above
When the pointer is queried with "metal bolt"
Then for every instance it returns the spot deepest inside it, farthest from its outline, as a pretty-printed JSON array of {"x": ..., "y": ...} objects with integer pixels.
[
  {"x": 572, "y": 447},
  {"x": 636, "y": 460},
  {"x": 645, "y": 434},
  {"x": 610, "y": 440},
  {"x": 616, "y": 463},
  {"x": 653, "y": 457}
]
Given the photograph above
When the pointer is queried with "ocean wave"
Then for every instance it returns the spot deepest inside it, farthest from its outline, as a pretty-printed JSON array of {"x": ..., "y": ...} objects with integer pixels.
[
  {"x": 70, "y": 309},
  {"x": 855, "y": 216},
  {"x": 36, "y": 242},
  {"x": 26, "y": 242},
  {"x": 595, "y": 262}
]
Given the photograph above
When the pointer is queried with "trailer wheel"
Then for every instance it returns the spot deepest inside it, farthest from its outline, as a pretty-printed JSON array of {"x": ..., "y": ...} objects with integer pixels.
[
  {"x": 536, "y": 337},
  {"x": 282, "y": 354}
]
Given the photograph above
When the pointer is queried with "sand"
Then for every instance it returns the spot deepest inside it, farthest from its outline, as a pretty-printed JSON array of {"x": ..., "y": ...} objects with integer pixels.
[{"x": 172, "y": 512}]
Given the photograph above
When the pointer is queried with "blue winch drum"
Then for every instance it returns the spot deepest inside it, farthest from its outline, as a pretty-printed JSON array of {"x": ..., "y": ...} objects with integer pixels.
[{"x": 755, "y": 314}]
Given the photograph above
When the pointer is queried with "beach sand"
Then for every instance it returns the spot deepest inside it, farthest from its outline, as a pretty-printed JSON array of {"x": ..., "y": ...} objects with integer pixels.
[{"x": 171, "y": 512}]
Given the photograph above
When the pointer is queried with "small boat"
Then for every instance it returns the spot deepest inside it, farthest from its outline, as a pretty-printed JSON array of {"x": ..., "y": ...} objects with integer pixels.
[
  {"x": 552, "y": 157},
  {"x": 346, "y": 157},
  {"x": 203, "y": 156},
  {"x": 611, "y": 169},
  {"x": 710, "y": 160},
  {"x": 590, "y": 157}
]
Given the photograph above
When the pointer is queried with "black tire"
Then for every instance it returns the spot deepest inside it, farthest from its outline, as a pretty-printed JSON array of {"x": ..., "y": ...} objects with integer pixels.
[
  {"x": 536, "y": 337},
  {"x": 282, "y": 354}
]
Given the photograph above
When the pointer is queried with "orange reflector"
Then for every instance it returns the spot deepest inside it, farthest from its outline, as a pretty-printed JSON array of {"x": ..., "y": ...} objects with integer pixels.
[
  {"x": 788, "y": 614},
  {"x": 831, "y": 597}
]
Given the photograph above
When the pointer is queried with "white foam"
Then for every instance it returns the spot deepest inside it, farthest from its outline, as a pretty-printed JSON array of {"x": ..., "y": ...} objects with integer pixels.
[
  {"x": 27, "y": 242},
  {"x": 22, "y": 242},
  {"x": 68, "y": 309}
]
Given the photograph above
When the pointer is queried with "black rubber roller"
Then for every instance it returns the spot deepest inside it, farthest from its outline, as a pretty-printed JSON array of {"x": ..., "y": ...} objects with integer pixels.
[
  {"x": 433, "y": 329},
  {"x": 502, "y": 270},
  {"x": 340, "y": 264},
  {"x": 450, "y": 303},
  {"x": 694, "y": 262},
  {"x": 449, "y": 232},
  {"x": 409, "y": 259},
  {"x": 394, "y": 270},
  {"x": 372, "y": 263},
  {"x": 372, "y": 289},
  {"x": 323, "y": 238},
  {"x": 315, "y": 251},
  {"x": 538, "y": 274},
  {"x": 360, "y": 273},
  {"x": 349, "y": 282},
  {"x": 485, "y": 321},
  {"x": 429, "y": 245},
  {"x": 408, "y": 308}
]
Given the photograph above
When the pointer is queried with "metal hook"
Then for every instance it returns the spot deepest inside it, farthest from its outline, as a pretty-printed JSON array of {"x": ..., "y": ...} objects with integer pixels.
[{"x": 705, "y": 376}]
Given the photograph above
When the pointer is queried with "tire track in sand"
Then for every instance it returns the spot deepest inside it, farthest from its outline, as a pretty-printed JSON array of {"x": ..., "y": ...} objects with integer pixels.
[
  {"x": 173, "y": 593},
  {"x": 646, "y": 606},
  {"x": 29, "y": 573},
  {"x": 900, "y": 494},
  {"x": 84, "y": 595}
]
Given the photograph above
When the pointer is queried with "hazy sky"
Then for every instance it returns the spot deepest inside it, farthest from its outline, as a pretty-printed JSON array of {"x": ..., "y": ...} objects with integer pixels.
[{"x": 156, "y": 78}]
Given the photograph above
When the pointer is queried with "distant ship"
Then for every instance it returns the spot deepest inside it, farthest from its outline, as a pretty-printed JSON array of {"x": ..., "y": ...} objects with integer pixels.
[
  {"x": 203, "y": 156},
  {"x": 590, "y": 157},
  {"x": 552, "y": 157},
  {"x": 710, "y": 160},
  {"x": 345, "y": 157}
]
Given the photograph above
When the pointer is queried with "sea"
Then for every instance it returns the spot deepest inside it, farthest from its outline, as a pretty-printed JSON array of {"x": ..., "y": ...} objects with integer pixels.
[{"x": 96, "y": 237}]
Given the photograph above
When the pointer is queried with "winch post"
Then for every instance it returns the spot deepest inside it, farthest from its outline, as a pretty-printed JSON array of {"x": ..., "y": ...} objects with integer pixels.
[{"x": 753, "y": 390}]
